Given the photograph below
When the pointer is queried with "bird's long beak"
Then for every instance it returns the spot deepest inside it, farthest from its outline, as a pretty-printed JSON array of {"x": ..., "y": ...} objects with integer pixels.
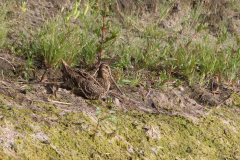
[
  {"x": 64, "y": 63},
  {"x": 117, "y": 86}
]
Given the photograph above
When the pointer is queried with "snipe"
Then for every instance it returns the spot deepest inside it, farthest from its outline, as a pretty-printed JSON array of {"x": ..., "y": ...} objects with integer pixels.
[{"x": 92, "y": 88}]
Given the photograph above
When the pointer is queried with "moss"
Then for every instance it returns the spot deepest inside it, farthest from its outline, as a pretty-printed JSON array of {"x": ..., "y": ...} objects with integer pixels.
[
  {"x": 215, "y": 136},
  {"x": 236, "y": 101}
]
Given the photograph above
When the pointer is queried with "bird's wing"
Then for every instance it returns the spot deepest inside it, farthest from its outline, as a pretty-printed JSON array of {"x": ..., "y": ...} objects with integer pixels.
[{"x": 91, "y": 90}]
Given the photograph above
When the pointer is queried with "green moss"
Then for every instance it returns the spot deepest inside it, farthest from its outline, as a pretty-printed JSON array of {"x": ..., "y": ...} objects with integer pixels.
[
  {"x": 4, "y": 156},
  {"x": 236, "y": 101},
  {"x": 24, "y": 127},
  {"x": 70, "y": 136}
]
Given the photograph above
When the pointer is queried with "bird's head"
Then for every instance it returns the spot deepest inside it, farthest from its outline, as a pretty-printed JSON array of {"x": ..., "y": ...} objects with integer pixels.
[{"x": 104, "y": 71}]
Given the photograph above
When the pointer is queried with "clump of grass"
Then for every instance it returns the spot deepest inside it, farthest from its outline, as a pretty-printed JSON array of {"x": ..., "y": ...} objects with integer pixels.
[
  {"x": 59, "y": 38},
  {"x": 74, "y": 36},
  {"x": 54, "y": 41},
  {"x": 3, "y": 23},
  {"x": 184, "y": 47}
]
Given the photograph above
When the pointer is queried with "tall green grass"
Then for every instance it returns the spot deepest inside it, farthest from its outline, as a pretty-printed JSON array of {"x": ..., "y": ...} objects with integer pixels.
[
  {"x": 85, "y": 34},
  {"x": 4, "y": 24},
  {"x": 187, "y": 48},
  {"x": 59, "y": 38}
]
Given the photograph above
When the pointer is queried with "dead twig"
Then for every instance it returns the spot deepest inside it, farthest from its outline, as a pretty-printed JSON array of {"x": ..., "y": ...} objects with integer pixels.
[
  {"x": 35, "y": 100},
  {"x": 148, "y": 93},
  {"x": 36, "y": 92},
  {"x": 9, "y": 63},
  {"x": 51, "y": 82},
  {"x": 5, "y": 87},
  {"x": 49, "y": 100},
  {"x": 117, "y": 86},
  {"x": 57, "y": 83},
  {"x": 3, "y": 82},
  {"x": 225, "y": 101},
  {"x": 43, "y": 76},
  {"x": 95, "y": 72},
  {"x": 122, "y": 98}
]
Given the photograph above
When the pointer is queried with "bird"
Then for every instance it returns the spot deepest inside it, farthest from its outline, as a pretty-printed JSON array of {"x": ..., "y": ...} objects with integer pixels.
[{"x": 92, "y": 88}]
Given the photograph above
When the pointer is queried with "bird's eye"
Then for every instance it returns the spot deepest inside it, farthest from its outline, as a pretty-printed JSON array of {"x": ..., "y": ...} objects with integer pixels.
[{"x": 106, "y": 67}]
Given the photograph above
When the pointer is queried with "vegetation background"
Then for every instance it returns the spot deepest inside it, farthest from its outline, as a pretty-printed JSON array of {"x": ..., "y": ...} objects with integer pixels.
[{"x": 179, "y": 58}]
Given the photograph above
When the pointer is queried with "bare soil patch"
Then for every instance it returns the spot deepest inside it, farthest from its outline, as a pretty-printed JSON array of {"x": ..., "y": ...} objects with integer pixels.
[{"x": 169, "y": 100}]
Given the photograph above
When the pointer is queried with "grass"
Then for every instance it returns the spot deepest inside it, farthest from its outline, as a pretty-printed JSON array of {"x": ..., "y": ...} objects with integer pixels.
[
  {"x": 93, "y": 35},
  {"x": 137, "y": 42},
  {"x": 53, "y": 40},
  {"x": 4, "y": 24},
  {"x": 168, "y": 45}
]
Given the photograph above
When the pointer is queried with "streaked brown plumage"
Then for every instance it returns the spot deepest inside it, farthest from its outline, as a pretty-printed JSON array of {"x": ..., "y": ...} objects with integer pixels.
[{"x": 82, "y": 81}]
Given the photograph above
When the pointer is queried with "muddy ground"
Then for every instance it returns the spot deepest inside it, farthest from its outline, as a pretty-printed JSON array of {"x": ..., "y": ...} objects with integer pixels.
[
  {"x": 169, "y": 99},
  {"x": 47, "y": 125},
  {"x": 185, "y": 100}
]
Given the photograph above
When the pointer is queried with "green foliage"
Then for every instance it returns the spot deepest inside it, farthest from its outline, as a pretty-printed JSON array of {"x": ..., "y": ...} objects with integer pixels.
[
  {"x": 2, "y": 75},
  {"x": 71, "y": 35},
  {"x": 83, "y": 37},
  {"x": 197, "y": 56},
  {"x": 4, "y": 24},
  {"x": 58, "y": 38},
  {"x": 54, "y": 41},
  {"x": 29, "y": 68}
]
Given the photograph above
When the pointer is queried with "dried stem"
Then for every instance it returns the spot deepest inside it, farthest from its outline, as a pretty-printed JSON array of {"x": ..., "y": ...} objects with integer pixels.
[
  {"x": 117, "y": 86},
  {"x": 42, "y": 78},
  {"x": 9, "y": 63}
]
